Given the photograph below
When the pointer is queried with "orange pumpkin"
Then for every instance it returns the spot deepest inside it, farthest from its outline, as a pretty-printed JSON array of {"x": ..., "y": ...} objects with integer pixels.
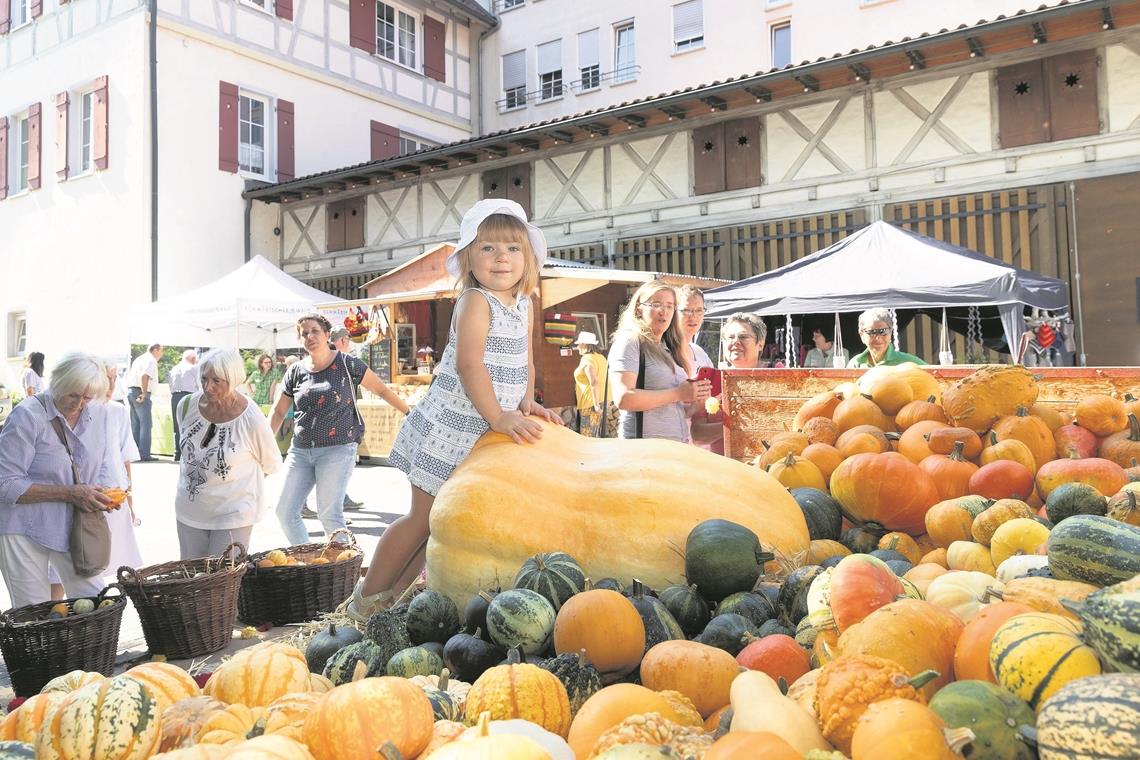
[
  {"x": 371, "y": 711},
  {"x": 821, "y": 430},
  {"x": 776, "y": 451},
  {"x": 903, "y": 544},
  {"x": 923, "y": 573},
  {"x": 861, "y": 584},
  {"x": 165, "y": 682},
  {"x": 234, "y": 724},
  {"x": 609, "y": 707},
  {"x": 885, "y": 489},
  {"x": 1123, "y": 448},
  {"x": 1068, "y": 439},
  {"x": 1102, "y": 415},
  {"x": 862, "y": 439},
  {"x": 825, "y": 457},
  {"x": 820, "y": 405},
  {"x": 913, "y": 444},
  {"x": 917, "y": 411},
  {"x": 902, "y": 729},
  {"x": 1002, "y": 479},
  {"x": 700, "y": 672},
  {"x": 945, "y": 440},
  {"x": 607, "y": 626},
  {"x": 797, "y": 472},
  {"x": 23, "y": 723},
  {"x": 260, "y": 674},
  {"x": 859, "y": 410},
  {"x": 951, "y": 473},
  {"x": 1102, "y": 474},
  {"x": 936, "y": 557},
  {"x": 183, "y": 720},
  {"x": 1011, "y": 449},
  {"x": 777, "y": 654},
  {"x": 1030, "y": 430},
  {"x": 748, "y": 745},
  {"x": 1049, "y": 414},
  {"x": 950, "y": 520},
  {"x": 972, "y": 652},
  {"x": 822, "y": 548},
  {"x": 890, "y": 392},
  {"x": 286, "y": 715}
]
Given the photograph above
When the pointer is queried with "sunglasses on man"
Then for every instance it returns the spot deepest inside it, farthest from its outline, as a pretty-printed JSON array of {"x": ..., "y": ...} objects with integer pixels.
[{"x": 878, "y": 332}]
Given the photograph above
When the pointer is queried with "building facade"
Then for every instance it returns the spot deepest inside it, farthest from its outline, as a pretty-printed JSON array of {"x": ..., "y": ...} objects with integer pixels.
[{"x": 247, "y": 92}]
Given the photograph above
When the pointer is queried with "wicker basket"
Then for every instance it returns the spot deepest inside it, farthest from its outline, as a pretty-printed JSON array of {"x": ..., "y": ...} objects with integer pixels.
[
  {"x": 37, "y": 650},
  {"x": 184, "y": 614},
  {"x": 299, "y": 593}
]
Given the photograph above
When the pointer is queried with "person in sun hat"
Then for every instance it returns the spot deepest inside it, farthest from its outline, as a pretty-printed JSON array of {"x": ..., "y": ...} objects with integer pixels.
[{"x": 590, "y": 384}]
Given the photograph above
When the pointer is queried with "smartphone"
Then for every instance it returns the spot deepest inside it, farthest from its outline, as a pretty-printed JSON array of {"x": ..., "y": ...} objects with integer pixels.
[{"x": 713, "y": 376}]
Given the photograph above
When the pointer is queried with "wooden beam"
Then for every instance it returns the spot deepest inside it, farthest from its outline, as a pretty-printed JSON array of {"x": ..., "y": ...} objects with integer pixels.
[
  {"x": 714, "y": 103},
  {"x": 762, "y": 94}
]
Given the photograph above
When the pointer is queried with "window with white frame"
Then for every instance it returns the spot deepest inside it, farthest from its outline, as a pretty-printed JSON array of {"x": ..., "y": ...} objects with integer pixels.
[
  {"x": 550, "y": 70},
  {"x": 625, "y": 53},
  {"x": 506, "y": 5},
  {"x": 396, "y": 34},
  {"x": 265, "y": 5},
  {"x": 85, "y": 115},
  {"x": 253, "y": 142},
  {"x": 19, "y": 143},
  {"x": 411, "y": 144},
  {"x": 688, "y": 25},
  {"x": 17, "y": 333},
  {"x": 514, "y": 79},
  {"x": 589, "y": 63},
  {"x": 781, "y": 45},
  {"x": 20, "y": 12}
]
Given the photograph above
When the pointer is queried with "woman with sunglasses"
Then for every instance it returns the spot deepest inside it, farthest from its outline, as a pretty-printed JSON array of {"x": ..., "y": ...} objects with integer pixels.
[
  {"x": 649, "y": 371},
  {"x": 876, "y": 326},
  {"x": 227, "y": 449}
]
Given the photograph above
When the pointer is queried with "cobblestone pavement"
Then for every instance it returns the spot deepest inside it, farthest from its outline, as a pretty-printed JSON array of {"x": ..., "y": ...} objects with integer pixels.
[{"x": 384, "y": 491}]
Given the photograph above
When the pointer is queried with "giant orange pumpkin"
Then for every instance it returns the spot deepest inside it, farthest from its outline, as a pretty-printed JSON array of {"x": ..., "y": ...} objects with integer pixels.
[
  {"x": 885, "y": 489},
  {"x": 368, "y": 713}
]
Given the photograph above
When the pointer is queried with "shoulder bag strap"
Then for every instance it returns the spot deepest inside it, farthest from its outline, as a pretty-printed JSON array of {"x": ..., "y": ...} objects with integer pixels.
[
  {"x": 355, "y": 409},
  {"x": 605, "y": 405},
  {"x": 55, "y": 423},
  {"x": 638, "y": 416}
]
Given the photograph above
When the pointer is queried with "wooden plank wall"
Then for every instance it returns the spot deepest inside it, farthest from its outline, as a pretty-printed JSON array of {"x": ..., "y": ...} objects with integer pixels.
[
  {"x": 349, "y": 286},
  {"x": 594, "y": 254},
  {"x": 762, "y": 402}
]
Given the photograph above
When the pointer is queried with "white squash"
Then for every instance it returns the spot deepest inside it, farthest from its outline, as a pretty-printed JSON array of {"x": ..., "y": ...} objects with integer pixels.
[
  {"x": 554, "y": 744},
  {"x": 1019, "y": 565},
  {"x": 963, "y": 592}
]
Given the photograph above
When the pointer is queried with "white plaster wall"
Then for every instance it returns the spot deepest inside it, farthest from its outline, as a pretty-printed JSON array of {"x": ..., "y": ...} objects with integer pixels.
[
  {"x": 845, "y": 138},
  {"x": 1123, "y": 85},
  {"x": 390, "y": 217},
  {"x": 549, "y": 187},
  {"x": 75, "y": 254},
  {"x": 967, "y": 116},
  {"x": 672, "y": 168}
]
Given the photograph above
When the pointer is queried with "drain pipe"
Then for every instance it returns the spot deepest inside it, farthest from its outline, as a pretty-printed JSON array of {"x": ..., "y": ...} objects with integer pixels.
[
  {"x": 153, "y": 67},
  {"x": 248, "y": 211},
  {"x": 1082, "y": 356}
]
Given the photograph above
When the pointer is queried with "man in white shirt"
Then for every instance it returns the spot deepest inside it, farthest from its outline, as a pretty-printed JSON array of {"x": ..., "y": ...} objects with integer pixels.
[
  {"x": 142, "y": 378},
  {"x": 183, "y": 381}
]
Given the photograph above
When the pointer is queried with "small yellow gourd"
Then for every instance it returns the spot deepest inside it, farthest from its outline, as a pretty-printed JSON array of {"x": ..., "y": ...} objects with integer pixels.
[
  {"x": 967, "y": 555},
  {"x": 1018, "y": 536},
  {"x": 487, "y": 746},
  {"x": 758, "y": 705},
  {"x": 1002, "y": 510}
]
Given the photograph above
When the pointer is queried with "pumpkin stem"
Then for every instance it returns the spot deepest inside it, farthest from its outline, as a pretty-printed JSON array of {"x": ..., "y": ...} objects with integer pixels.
[
  {"x": 1073, "y": 606},
  {"x": 1028, "y": 734},
  {"x": 637, "y": 589},
  {"x": 515, "y": 655},
  {"x": 332, "y": 629},
  {"x": 923, "y": 678},
  {"x": 1133, "y": 430},
  {"x": 892, "y": 436},
  {"x": 483, "y": 725},
  {"x": 783, "y": 684},
  {"x": 587, "y": 585},
  {"x": 360, "y": 671},
  {"x": 583, "y": 660},
  {"x": 1022, "y": 411},
  {"x": 486, "y": 597},
  {"x": 790, "y": 460},
  {"x": 444, "y": 675},
  {"x": 959, "y": 451},
  {"x": 958, "y": 738},
  {"x": 390, "y": 752},
  {"x": 993, "y": 593}
]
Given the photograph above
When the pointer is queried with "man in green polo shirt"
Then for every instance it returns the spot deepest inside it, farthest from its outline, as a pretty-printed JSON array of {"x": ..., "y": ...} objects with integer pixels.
[{"x": 875, "y": 328}]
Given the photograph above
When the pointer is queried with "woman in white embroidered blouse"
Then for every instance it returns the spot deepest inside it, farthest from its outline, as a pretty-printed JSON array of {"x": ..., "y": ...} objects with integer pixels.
[{"x": 227, "y": 449}]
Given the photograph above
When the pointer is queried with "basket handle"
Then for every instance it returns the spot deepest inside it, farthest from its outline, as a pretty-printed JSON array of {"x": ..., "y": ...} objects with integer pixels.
[
  {"x": 351, "y": 538},
  {"x": 103, "y": 594},
  {"x": 126, "y": 574},
  {"x": 241, "y": 557}
]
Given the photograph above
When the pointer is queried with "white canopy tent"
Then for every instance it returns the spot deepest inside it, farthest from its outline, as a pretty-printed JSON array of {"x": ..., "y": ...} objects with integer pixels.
[
  {"x": 255, "y": 306},
  {"x": 886, "y": 266}
]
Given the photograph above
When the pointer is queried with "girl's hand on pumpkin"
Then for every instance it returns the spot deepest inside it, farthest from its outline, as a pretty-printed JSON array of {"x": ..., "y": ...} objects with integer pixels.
[
  {"x": 515, "y": 424},
  {"x": 89, "y": 499}
]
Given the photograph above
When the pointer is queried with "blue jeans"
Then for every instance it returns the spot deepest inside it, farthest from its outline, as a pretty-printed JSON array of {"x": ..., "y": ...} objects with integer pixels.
[
  {"x": 140, "y": 420},
  {"x": 327, "y": 467}
]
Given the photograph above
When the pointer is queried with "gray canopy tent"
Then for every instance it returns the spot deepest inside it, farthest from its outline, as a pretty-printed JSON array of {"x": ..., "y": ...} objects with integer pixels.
[{"x": 885, "y": 266}]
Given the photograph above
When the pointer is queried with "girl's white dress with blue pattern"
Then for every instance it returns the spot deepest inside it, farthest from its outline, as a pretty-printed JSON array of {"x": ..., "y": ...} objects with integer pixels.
[{"x": 443, "y": 428}]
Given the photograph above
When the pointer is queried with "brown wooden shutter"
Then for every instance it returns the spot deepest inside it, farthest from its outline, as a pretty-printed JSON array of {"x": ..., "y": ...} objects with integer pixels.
[
  {"x": 495, "y": 183},
  {"x": 334, "y": 226},
  {"x": 284, "y": 9},
  {"x": 708, "y": 159},
  {"x": 3, "y": 155},
  {"x": 385, "y": 141},
  {"x": 34, "y": 132},
  {"x": 1023, "y": 105},
  {"x": 1072, "y": 86},
  {"x": 742, "y": 153},
  {"x": 518, "y": 186},
  {"x": 101, "y": 123},
  {"x": 353, "y": 223},
  {"x": 285, "y": 152},
  {"x": 435, "y": 64},
  {"x": 61, "y": 166},
  {"x": 227, "y": 127},
  {"x": 362, "y": 25},
  {"x": 37, "y": 8},
  {"x": 5, "y": 16}
]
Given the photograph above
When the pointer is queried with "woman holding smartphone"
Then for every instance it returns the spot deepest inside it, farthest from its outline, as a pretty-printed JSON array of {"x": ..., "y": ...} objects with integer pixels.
[{"x": 706, "y": 430}]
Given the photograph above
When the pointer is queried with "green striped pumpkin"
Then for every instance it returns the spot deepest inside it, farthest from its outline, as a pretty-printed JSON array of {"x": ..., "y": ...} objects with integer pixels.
[
  {"x": 1095, "y": 550},
  {"x": 1071, "y": 499},
  {"x": 992, "y": 713},
  {"x": 687, "y": 607},
  {"x": 580, "y": 678},
  {"x": 660, "y": 625},
  {"x": 822, "y": 513},
  {"x": 414, "y": 661},
  {"x": 341, "y": 665},
  {"x": 1112, "y": 624},
  {"x": 432, "y": 616},
  {"x": 1091, "y": 718},
  {"x": 521, "y": 617},
  {"x": 12, "y": 750},
  {"x": 555, "y": 575},
  {"x": 1034, "y": 654}
]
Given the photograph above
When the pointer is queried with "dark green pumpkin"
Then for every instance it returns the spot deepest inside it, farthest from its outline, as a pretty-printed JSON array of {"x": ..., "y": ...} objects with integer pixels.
[
  {"x": 794, "y": 591},
  {"x": 687, "y": 607},
  {"x": 580, "y": 678},
  {"x": 612, "y": 584},
  {"x": 475, "y": 613},
  {"x": 468, "y": 655},
  {"x": 727, "y": 632},
  {"x": 325, "y": 644},
  {"x": 751, "y": 605},
  {"x": 722, "y": 558},
  {"x": 13, "y": 750},
  {"x": 444, "y": 705},
  {"x": 414, "y": 661},
  {"x": 516, "y": 655},
  {"x": 432, "y": 616},
  {"x": 899, "y": 567},
  {"x": 660, "y": 625},
  {"x": 992, "y": 713},
  {"x": 555, "y": 575},
  {"x": 434, "y": 646},
  {"x": 386, "y": 630},
  {"x": 886, "y": 555},
  {"x": 822, "y": 513},
  {"x": 862, "y": 539},
  {"x": 1070, "y": 499},
  {"x": 1095, "y": 550},
  {"x": 340, "y": 667},
  {"x": 521, "y": 617},
  {"x": 1111, "y": 619},
  {"x": 832, "y": 561},
  {"x": 776, "y": 626}
]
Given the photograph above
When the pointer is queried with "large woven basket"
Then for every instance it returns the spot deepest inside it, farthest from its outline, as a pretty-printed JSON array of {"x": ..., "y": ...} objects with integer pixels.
[
  {"x": 37, "y": 650},
  {"x": 299, "y": 593},
  {"x": 187, "y": 608}
]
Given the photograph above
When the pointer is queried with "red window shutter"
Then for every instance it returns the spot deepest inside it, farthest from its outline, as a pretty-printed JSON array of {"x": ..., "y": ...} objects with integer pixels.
[
  {"x": 34, "y": 132},
  {"x": 385, "y": 141},
  {"x": 285, "y": 167},
  {"x": 37, "y": 8},
  {"x": 61, "y": 102},
  {"x": 435, "y": 65},
  {"x": 284, "y": 9},
  {"x": 3, "y": 155},
  {"x": 5, "y": 16},
  {"x": 100, "y": 140},
  {"x": 227, "y": 127},
  {"x": 362, "y": 25}
]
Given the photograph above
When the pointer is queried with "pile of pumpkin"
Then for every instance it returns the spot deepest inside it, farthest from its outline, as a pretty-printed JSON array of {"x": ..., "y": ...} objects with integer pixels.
[
  {"x": 332, "y": 553},
  {"x": 78, "y": 607}
]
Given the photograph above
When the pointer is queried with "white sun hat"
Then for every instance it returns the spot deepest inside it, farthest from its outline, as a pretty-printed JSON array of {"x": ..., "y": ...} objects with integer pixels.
[
  {"x": 469, "y": 228},
  {"x": 586, "y": 339}
]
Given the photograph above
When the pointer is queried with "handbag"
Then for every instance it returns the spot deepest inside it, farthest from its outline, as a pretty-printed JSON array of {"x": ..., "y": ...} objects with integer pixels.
[
  {"x": 89, "y": 541},
  {"x": 638, "y": 416}
]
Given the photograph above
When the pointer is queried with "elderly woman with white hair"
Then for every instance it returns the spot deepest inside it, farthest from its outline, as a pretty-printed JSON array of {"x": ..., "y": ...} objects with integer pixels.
[
  {"x": 52, "y": 453},
  {"x": 227, "y": 450},
  {"x": 876, "y": 328}
]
